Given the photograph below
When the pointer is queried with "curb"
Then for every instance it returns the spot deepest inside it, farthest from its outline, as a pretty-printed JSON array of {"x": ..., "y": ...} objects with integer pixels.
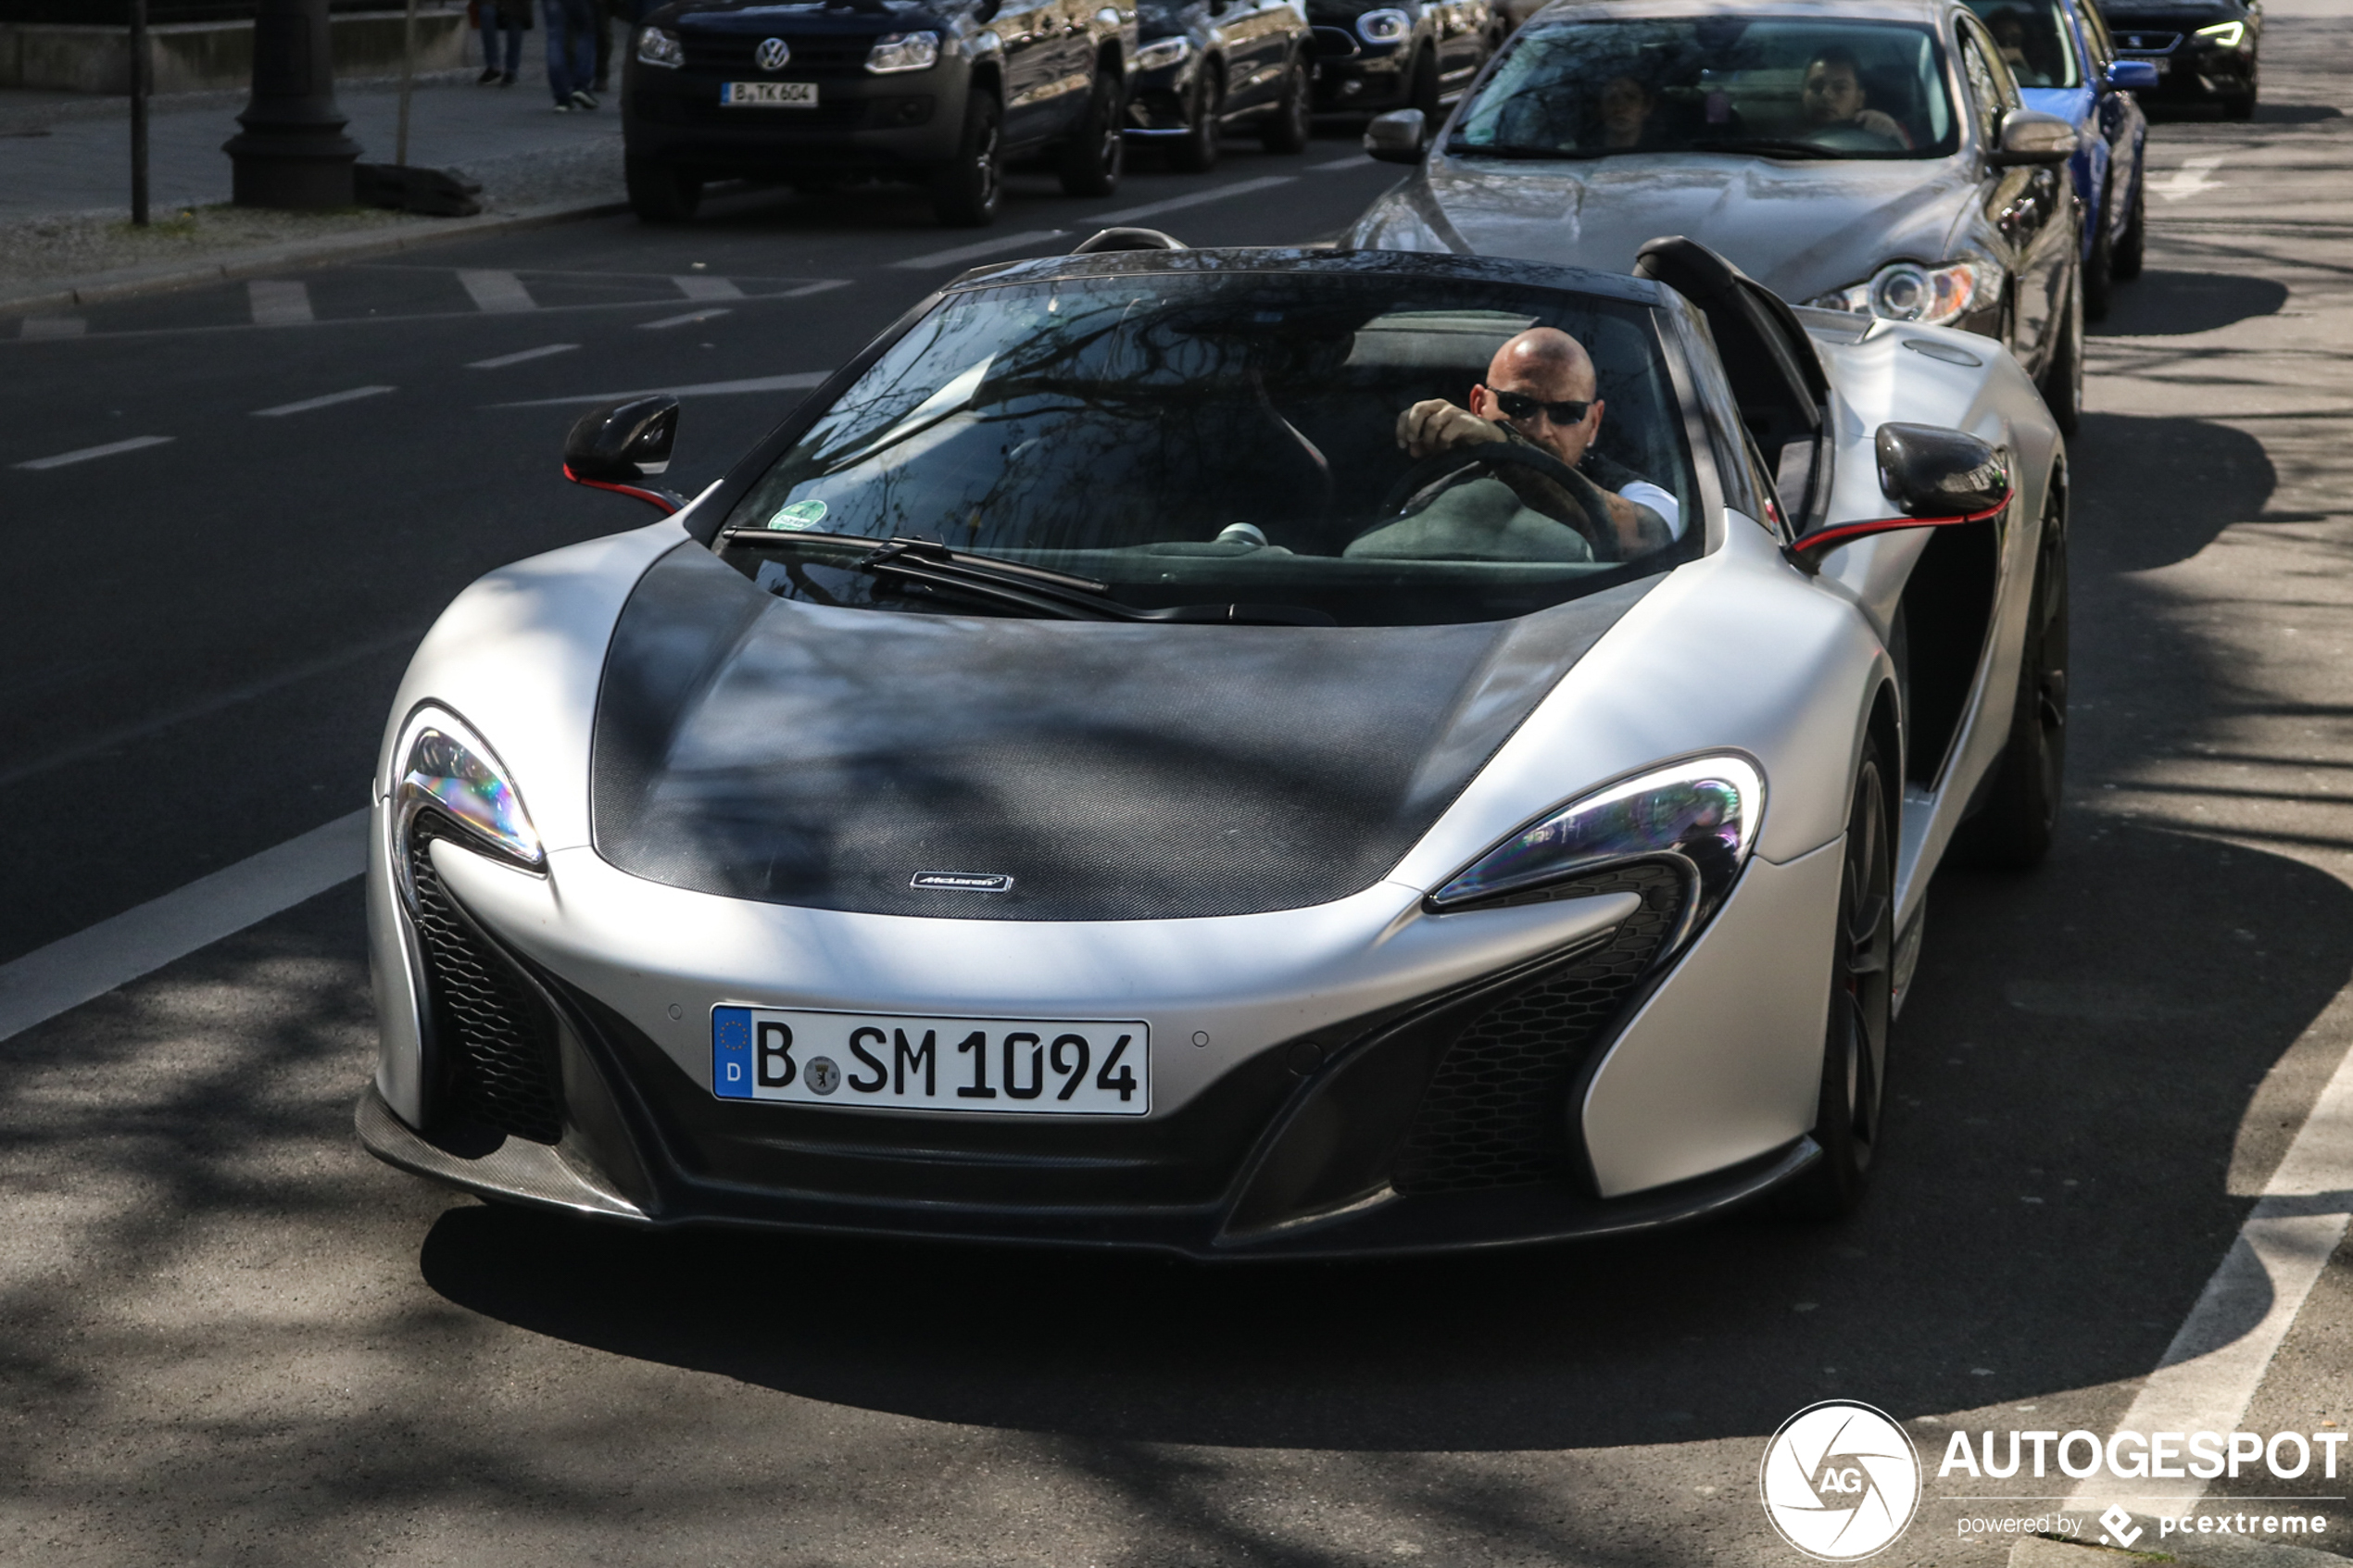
[{"x": 132, "y": 282}]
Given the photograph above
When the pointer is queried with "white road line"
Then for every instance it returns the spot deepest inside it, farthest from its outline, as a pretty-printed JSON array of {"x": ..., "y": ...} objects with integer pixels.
[
  {"x": 90, "y": 963},
  {"x": 1358, "y": 161},
  {"x": 496, "y": 291},
  {"x": 503, "y": 360},
  {"x": 701, "y": 286},
  {"x": 687, "y": 320},
  {"x": 86, "y": 453},
  {"x": 819, "y": 287},
  {"x": 1177, "y": 204},
  {"x": 798, "y": 382},
  {"x": 53, "y": 326},
  {"x": 2188, "y": 180},
  {"x": 329, "y": 401},
  {"x": 2208, "y": 1375},
  {"x": 962, "y": 254},
  {"x": 279, "y": 304}
]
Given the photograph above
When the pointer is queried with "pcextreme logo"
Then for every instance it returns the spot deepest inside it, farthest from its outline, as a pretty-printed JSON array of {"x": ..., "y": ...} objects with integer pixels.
[{"x": 1840, "y": 1481}]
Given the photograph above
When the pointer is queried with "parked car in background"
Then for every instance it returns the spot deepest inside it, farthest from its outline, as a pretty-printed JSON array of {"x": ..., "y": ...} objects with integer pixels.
[
  {"x": 1413, "y": 54},
  {"x": 1876, "y": 159},
  {"x": 2203, "y": 50},
  {"x": 1206, "y": 67},
  {"x": 2059, "y": 54},
  {"x": 943, "y": 92}
]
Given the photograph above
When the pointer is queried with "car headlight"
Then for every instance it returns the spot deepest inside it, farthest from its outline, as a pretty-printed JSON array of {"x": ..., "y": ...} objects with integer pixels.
[
  {"x": 1384, "y": 27},
  {"x": 444, "y": 767},
  {"x": 1163, "y": 53},
  {"x": 1906, "y": 291},
  {"x": 903, "y": 51},
  {"x": 2228, "y": 36},
  {"x": 1701, "y": 816},
  {"x": 660, "y": 47}
]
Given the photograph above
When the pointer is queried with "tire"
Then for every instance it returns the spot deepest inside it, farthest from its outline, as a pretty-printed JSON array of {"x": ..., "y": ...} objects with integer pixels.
[
  {"x": 1287, "y": 129},
  {"x": 1846, "y": 1117},
  {"x": 964, "y": 194},
  {"x": 1197, "y": 153},
  {"x": 2132, "y": 245},
  {"x": 2099, "y": 268},
  {"x": 1092, "y": 157},
  {"x": 660, "y": 192},
  {"x": 2062, "y": 380},
  {"x": 2243, "y": 107},
  {"x": 1423, "y": 95},
  {"x": 2012, "y": 831}
]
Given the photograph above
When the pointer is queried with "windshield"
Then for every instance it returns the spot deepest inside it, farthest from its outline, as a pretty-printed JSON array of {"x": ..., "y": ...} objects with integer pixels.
[
  {"x": 1238, "y": 439},
  {"x": 2033, "y": 38},
  {"x": 1774, "y": 86}
]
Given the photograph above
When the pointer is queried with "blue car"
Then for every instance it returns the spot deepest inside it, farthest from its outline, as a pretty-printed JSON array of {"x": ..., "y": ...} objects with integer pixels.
[{"x": 2066, "y": 64}]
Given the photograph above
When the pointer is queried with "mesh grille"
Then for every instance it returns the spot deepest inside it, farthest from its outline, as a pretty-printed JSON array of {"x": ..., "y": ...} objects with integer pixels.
[
  {"x": 499, "y": 1035},
  {"x": 1495, "y": 1114}
]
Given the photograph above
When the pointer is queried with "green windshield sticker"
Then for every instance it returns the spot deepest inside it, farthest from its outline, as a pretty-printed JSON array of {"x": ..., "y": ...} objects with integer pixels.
[{"x": 799, "y": 515}]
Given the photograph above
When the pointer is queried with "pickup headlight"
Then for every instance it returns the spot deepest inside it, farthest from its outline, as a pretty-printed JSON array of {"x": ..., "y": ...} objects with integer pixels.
[
  {"x": 1701, "y": 816},
  {"x": 1384, "y": 27},
  {"x": 903, "y": 51},
  {"x": 1906, "y": 291},
  {"x": 1162, "y": 53},
  {"x": 660, "y": 47},
  {"x": 2228, "y": 35},
  {"x": 444, "y": 767}
]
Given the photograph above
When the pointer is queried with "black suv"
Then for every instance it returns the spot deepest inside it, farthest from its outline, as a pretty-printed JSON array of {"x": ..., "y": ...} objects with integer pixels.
[
  {"x": 825, "y": 91},
  {"x": 1376, "y": 54},
  {"x": 2203, "y": 50}
]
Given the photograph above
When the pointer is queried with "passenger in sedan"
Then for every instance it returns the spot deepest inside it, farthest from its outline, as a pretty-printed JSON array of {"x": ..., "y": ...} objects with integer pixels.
[
  {"x": 1540, "y": 390},
  {"x": 1833, "y": 96}
]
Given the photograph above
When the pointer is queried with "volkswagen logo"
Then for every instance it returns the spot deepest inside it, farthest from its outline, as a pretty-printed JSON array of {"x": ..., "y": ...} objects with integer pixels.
[{"x": 771, "y": 53}]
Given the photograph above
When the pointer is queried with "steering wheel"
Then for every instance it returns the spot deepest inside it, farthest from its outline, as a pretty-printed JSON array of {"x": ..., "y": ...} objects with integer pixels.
[{"x": 1594, "y": 511}]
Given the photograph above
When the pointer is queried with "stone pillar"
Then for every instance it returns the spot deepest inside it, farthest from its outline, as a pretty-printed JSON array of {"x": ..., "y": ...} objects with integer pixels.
[{"x": 292, "y": 151}]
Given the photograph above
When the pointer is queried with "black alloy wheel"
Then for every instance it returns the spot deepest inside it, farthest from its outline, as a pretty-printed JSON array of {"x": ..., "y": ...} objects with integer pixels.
[
  {"x": 1287, "y": 129},
  {"x": 2013, "y": 830},
  {"x": 1091, "y": 159},
  {"x": 1846, "y": 1123},
  {"x": 1197, "y": 153},
  {"x": 659, "y": 192},
  {"x": 2099, "y": 268},
  {"x": 2062, "y": 380},
  {"x": 2132, "y": 245},
  {"x": 964, "y": 194}
]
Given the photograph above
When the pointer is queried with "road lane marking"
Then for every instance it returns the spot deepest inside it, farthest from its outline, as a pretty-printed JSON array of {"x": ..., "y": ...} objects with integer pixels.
[
  {"x": 1356, "y": 161},
  {"x": 279, "y": 304},
  {"x": 799, "y": 382},
  {"x": 819, "y": 287},
  {"x": 1177, "y": 204},
  {"x": 53, "y": 326},
  {"x": 962, "y": 254},
  {"x": 329, "y": 401},
  {"x": 688, "y": 320},
  {"x": 701, "y": 286},
  {"x": 2188, "y": 180},
  {"x": 85, "y": 966},
  {"x": 86, "y": 453},
  {"x": 495, "y": 291},
  {"x": 503, "y": 360}
]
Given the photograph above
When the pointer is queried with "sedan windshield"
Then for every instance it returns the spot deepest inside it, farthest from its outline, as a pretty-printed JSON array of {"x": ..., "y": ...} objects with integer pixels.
[
  {"x": 1776, "y": 87},
  {"x": 1268, "y": 447}
]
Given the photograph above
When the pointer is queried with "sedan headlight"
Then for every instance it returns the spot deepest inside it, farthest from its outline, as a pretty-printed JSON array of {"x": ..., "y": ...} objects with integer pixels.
[
  {"x": 1699, "y": 815},
  {"x": 2228, "y": 36},
  {"x": 1906, "y": 291},
  {"x": 660, "y": 47},
  {"x": 444, "y": 767},
  {"x": 1384, "y": 27},
  {"x": 903, "y": 51},
  {"x": 1162, "y": 53}
]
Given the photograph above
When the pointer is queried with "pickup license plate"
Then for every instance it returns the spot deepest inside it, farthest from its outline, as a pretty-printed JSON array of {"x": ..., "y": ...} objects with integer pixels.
[
  {"x": 994, "y": 1064},
  {"x": 769, "y": 95}
]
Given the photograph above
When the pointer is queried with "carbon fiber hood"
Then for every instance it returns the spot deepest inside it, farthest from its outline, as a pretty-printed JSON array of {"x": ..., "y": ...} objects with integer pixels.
[{"x": 758, "y": 749}]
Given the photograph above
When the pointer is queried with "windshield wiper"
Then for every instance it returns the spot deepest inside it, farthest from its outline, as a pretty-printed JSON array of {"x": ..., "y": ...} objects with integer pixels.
[
  {"x": 1761, "y": 146},
  {"x": 930, "y": 568}
]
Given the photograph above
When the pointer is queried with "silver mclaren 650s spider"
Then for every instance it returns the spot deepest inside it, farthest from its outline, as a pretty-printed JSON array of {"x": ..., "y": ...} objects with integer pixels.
[{"x": 1240, "y": 752}]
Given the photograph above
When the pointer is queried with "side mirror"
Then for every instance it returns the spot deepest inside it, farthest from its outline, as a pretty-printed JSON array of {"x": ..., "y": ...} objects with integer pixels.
[
  {"x": 612, "y": 446},
  {"x": 1398, "y": 136},
  {"x": 2030, "y": 137},
  {"x": 1936, "y": 477},
  {"x": 2132, "y": 76}
]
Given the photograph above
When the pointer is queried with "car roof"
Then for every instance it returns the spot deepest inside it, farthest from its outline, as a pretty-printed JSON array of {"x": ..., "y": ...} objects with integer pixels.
[
  {"x": 1310, "y": 263},
  {"x": 1929, "y": 11}
]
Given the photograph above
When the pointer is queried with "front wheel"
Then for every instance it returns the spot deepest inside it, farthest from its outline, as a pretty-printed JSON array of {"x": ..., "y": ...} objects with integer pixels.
[
  {"x": 2062, "y": 380},
  {"x": 1288, "y": 128},
  {"x": 1423, "y": 95},
  {"x": 1091, "y": 158},
  {"x": 659, "y": 192},
  {"x": 2131, "y": 244},
  {"x": 2099, "y": 268},
  {"x": 2013, "y": 830},
  {"x": 964, "y": 194},
  {"x": 2243, "y": 107},
  {"x": 1197, "y": 153}
]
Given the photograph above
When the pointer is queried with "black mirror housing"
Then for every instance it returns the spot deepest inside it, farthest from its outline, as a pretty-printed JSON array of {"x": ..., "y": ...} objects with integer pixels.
[
  {"x": 1931, "y": 471},
  {"x": 621, "y": 442}
]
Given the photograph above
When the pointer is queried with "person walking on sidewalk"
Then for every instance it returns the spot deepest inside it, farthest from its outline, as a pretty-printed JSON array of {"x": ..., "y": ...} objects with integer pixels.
[
  {"x": 572, "y": 52},
  {"x": 511, "y": 18}
]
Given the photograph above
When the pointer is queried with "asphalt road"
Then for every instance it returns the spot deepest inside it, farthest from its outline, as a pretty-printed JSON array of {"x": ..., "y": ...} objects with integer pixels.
[{"x": 228, "y": 1335}]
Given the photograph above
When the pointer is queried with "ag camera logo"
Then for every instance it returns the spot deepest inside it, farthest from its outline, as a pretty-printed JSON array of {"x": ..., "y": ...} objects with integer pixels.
[{"x": 1840, "y": 1481}]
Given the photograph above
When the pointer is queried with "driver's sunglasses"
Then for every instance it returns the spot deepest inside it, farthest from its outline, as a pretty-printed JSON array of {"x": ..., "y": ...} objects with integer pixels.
[{"x": 1519, "y": 405}]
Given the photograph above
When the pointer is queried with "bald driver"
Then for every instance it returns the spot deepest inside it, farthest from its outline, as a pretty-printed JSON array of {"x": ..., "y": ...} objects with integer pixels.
[{"x": 1540, "y": 389}]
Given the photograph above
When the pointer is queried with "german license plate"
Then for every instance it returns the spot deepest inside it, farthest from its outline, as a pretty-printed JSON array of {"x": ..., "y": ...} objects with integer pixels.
[
  {"x": 770, "y": 94},
  {"x": 994, "y": 1064}
]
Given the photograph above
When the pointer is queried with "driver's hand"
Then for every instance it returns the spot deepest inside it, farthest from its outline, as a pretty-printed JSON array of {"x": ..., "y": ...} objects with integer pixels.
[
  {"x": 1435, "y": 425},
  {"x": 1881, "y": 123}
]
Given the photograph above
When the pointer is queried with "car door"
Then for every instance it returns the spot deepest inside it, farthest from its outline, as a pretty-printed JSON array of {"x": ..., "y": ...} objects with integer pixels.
[
  {"x": 1031, "y": 33},
  {"x": 2121, "y": 124},
  {"x": 2028, "y": 208},
  {"x": 1258, "y": 35}
]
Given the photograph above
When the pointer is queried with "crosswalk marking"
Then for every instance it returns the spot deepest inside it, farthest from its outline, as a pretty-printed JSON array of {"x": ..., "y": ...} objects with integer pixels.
[
  {"x": 495, "y": 291},
  {"x": 701, "y": 286},
  {"x": 54, "y": 326},
  {"x": 277, "y": 302}
]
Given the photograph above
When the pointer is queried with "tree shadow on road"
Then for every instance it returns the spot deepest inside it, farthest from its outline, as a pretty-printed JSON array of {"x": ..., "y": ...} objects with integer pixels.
[
  {"x": 2163, "y": 304},
  {"x": 2165, "y": 488}
]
